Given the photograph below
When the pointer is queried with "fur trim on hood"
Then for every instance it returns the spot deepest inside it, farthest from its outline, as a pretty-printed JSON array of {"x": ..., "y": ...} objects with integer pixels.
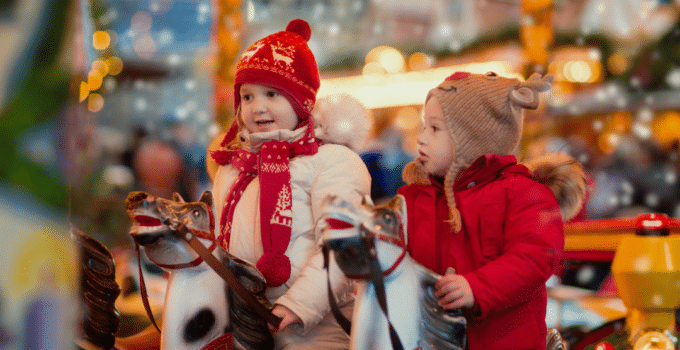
[
  {"x": 414, "y": 173},
  {"x": 564, "y": 176},
  {"x": 561, "y": 173}
]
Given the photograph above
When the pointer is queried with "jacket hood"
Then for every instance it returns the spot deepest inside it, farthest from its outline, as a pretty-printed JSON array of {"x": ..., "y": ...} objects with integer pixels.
[
  {"x": 565, "y": 177},
  {"x": 487, "y": 168},
  {"x": 561, "y": 173}
]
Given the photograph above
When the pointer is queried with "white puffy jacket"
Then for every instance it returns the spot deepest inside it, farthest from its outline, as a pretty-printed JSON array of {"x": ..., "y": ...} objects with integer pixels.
[{"x": 335, "y": 169}]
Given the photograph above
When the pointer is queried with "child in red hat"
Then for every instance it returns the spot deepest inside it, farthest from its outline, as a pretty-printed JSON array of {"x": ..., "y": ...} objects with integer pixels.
[
  {"x": 272, "y": 177},
  {"x": 491, "y": 226}
]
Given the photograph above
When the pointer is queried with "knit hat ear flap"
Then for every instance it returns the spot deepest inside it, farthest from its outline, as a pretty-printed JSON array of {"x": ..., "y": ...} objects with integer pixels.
[
  {"x": 454, "y": 214},
  {"x": 414, "y": 173}
]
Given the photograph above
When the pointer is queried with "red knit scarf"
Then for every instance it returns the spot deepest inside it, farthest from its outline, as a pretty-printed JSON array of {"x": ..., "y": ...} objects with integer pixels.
[{"x": 271, "y": 164}]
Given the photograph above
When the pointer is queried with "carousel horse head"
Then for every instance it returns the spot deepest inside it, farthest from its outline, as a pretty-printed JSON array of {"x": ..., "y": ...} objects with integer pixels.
[
  {"x": 155, "y": 227},
  {"x": 201, "y": 310},
  {"x": 351, "y": 231}
]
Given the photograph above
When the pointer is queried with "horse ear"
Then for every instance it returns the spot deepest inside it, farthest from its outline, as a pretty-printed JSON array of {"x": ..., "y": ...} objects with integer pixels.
[
  {"x": 207, "y": 198},
  {"x": 367, "y": 201},
  {"x": 398, "y": 204},
  {"x": 177, "y": 197}
]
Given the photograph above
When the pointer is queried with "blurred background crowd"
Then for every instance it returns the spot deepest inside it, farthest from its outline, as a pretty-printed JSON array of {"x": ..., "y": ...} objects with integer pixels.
[{"x": 99, "y": 98}]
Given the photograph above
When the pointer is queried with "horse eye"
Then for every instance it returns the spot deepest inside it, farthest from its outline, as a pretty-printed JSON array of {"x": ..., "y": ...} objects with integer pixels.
[
  {"x": 388, "y": 219},
  {"x": 491, "y": 74}
]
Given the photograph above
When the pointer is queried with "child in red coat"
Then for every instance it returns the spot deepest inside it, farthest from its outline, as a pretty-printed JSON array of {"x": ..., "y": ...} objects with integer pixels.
[{"x": 481, "y": 219}]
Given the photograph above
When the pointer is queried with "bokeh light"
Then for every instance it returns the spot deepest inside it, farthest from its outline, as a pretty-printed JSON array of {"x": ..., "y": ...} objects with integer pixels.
[
  {"x": 113, "y": 36},
  {"x": 160, "y": 6},
  {"x": 620, "y": 122},
  {"x": 141, "y": 22},
  {"x": 407, "y": 119},
  {"x": 618, "y": 63},
  {"x": 101, "y": 66},
  {"x": 84, "y": 91},
  {"x": 389, "y": 58},
  {"x": 419, "y": 61},
  {"x": 373, "y": 72},
  {"x": 109, "y": 84},
  {"x": 95, "y": 103},
  {"x": 673, "y": 78},
  {"x": 577, "y": 65},
  {"x": 115, "y": 65},
  {"x": 94, "y": 80},
  {"x": 101, "y": 40},
  {"x": 667, "y": 127},
  {"x": 145, "y": 47},
  {"x": 535, "y": 5},
  {"x": 607, "y": 142}
]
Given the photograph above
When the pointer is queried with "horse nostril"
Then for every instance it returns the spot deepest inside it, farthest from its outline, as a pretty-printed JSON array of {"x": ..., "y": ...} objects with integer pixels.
[{"x": 146, "y": 238}]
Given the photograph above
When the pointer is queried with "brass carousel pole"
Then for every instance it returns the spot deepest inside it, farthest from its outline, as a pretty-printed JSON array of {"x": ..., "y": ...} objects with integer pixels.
[
  {"x": 227, "y": 35},
  {"x": 536, "y": 34}
]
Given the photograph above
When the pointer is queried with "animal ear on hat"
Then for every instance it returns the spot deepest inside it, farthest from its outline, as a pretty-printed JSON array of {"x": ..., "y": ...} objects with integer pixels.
[
  {"x": 538, "y": 83},
  {"x": 525, "y": 97}
]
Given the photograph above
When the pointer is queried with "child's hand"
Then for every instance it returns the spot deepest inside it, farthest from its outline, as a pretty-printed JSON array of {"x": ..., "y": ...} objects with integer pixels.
[
  {"x": 287, "y": 317},
  {"x": 453, "y": 291}
]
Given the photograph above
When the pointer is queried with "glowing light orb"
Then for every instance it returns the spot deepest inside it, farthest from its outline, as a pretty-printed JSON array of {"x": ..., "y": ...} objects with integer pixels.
[
  {"x": 101, "y": 40},
  {"x": 95, "y": 103}
]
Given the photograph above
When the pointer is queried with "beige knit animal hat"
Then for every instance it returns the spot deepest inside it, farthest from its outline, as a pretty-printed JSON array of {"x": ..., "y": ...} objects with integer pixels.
[{"x": 484, "y": 115}]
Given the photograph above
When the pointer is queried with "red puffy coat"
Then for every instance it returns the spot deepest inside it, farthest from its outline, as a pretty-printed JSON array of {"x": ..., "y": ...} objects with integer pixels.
[{"x": 510, "y": 244}]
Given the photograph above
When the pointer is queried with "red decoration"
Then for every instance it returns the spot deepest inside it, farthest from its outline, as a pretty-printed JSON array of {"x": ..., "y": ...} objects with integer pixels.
[
  {"x": 604, "y": 346},
  {"x": 652, "y": 221},
  {"x": 458, "y": 76}
]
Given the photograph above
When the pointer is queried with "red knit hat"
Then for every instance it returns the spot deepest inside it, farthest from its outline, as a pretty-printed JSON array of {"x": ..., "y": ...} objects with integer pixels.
[{"x": 282, "y": 61}]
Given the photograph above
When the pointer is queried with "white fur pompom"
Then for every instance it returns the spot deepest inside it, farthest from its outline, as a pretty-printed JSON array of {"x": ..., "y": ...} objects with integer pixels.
[{"x": 341, "y": 119}]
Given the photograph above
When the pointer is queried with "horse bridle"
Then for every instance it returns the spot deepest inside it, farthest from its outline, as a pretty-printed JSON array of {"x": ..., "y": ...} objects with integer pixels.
[
  {"x": 199, "y": 234},
  {"x": 398, "y": 241},
  {"x": 191, "y": 236},
  {"x": 376, "y": 275}
]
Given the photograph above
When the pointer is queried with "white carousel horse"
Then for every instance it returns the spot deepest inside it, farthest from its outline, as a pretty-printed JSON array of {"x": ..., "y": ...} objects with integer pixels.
[
  {"x": 199, "y": 307},
  {"x": 352, "y": 233}
]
